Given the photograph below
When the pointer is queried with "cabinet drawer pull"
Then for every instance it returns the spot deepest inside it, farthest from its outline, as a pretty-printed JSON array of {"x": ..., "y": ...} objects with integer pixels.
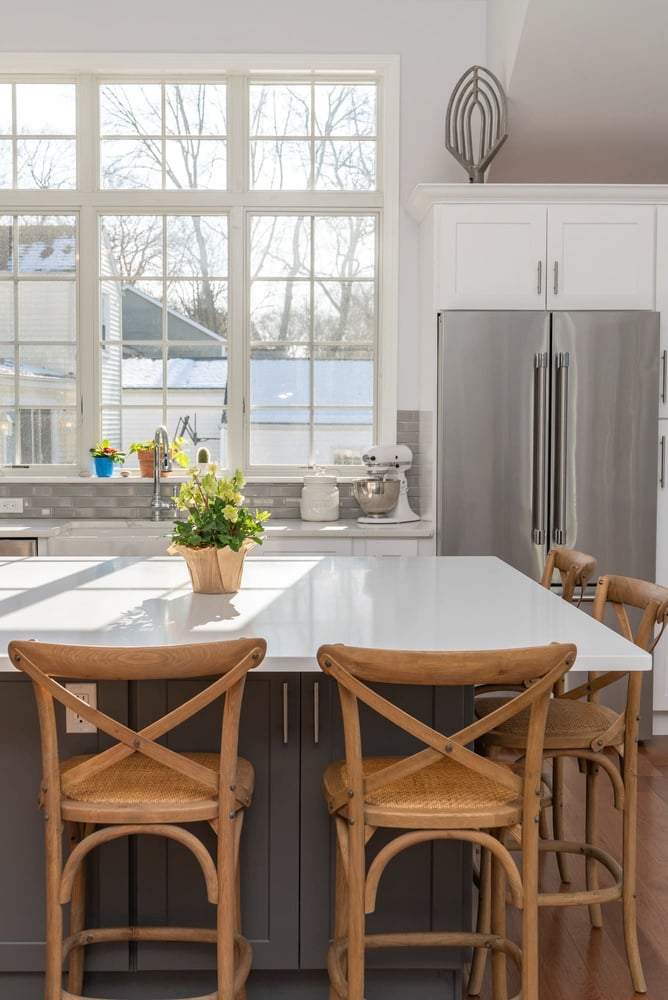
[
  {"x": 556, "y": 277},
  {"x": 285, "y": 712},
  {"x": 662, "y": 477},
  {"x": 316, "y": 712},
  {"x": 664, "y": 375},
  {"x": 540, "y": 277}
]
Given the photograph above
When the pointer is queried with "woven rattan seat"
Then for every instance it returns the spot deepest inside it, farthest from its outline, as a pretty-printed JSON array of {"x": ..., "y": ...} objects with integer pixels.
[
  {"x": 138, "y": 782},
  {"x": 445, "y": 791},
  {"x": 443, "y": 785},
  {"x": 138, "y": 785},
  {"x": 601, "y": 739},
  {"x": 566, "y": 721}
]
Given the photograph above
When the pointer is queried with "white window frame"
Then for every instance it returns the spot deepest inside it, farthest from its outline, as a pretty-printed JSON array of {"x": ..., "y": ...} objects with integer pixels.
[{"x": 89, "y": 201}]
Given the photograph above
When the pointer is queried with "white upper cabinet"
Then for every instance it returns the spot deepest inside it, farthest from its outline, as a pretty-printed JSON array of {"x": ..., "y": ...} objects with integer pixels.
[
  {"x": 662, "y": 303},
  {"x": 600, "y": 257},
  {"x": 490, "y": 256},
  {"x": 515, "y": 256}
]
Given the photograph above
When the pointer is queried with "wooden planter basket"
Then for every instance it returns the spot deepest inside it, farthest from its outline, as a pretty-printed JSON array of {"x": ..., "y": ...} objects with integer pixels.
[{"x": 212, "y": 570}]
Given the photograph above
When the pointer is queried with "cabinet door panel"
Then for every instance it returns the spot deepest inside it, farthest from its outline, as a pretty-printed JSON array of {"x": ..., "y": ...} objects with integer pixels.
[
  {"x": 22, "y": 918},
  {"x": 604, "y": 256},
  {"x": 423, "y": 887},
  {"x": 490, "y": 257},
  {"x": 169, "y": 884}
]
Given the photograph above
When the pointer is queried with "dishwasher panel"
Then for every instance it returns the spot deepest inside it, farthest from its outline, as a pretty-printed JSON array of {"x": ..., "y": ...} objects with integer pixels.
[{"x": 18, "y": 546}]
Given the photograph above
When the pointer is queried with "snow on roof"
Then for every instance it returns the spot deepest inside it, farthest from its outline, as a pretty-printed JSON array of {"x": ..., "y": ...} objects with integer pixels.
[
  {"x": 182, "y": 373},
  {"x": 276, "y": 383},
  {"x": 56, "y": 256}
]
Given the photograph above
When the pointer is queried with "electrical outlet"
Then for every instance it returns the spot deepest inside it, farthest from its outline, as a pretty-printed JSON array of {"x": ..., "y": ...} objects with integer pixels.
[
  {"x": 11, "y": 505},
  {"x": 74, "y": 723}
]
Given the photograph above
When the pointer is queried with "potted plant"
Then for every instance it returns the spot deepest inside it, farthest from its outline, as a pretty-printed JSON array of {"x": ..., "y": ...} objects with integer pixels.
[
  {"x": 105, "y": 457},
  {"x": 217, "y": 531},
  {"x": 144, "y": 452}
]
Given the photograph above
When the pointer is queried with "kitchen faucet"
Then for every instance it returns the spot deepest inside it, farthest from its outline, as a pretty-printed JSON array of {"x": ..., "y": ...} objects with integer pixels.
[{"x": 161, "y": 463}]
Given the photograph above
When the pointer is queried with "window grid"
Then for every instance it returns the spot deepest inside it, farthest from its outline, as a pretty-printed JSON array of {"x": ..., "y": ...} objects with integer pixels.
[{"x": 89, "y": 201}]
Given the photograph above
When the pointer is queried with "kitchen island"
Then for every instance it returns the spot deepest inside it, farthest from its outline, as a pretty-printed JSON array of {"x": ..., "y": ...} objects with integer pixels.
[{"x": 290, "y": 731}]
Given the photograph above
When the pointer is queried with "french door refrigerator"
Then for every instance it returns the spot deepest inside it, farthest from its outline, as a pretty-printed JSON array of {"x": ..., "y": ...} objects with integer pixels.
[{"x": 548, "y": 435}]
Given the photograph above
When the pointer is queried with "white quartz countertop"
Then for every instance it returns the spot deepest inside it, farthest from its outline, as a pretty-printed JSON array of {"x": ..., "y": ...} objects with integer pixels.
[
  {"x": 292, "y": 528},
  {"x": 297, "y": 603}
]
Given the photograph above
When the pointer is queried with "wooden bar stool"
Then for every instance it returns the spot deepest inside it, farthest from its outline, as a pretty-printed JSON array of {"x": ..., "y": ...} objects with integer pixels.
[
  {"x": 600, "y": 738},
  {"x": 445, "y": 791},
  {"x": 138, "y": 786}
]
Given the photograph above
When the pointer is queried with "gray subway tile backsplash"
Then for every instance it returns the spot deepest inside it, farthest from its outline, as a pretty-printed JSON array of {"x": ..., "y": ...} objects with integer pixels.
[{"x": 124, "y": 498}]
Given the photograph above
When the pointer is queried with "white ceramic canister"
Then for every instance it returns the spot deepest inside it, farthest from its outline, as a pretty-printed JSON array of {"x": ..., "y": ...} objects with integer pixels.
[{"x": 320, "y": 498}]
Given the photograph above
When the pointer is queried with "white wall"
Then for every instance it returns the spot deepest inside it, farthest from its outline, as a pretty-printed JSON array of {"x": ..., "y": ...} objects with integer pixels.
[{"x": 437, "y": 41}]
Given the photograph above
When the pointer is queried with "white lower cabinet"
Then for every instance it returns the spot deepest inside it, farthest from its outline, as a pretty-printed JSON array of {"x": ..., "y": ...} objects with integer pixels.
[
  {"x": 385, "y": 547},
  {"x": 303, "y": 546},
  {"x": 661, "y": 652}
]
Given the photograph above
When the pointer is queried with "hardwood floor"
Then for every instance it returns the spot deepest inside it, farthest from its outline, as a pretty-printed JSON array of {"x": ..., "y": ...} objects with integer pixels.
[{"x": 578, "y": 963}]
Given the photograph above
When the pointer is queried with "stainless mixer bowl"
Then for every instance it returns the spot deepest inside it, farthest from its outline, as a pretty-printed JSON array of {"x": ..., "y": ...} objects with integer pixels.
[{"x": 375, "y": 495}]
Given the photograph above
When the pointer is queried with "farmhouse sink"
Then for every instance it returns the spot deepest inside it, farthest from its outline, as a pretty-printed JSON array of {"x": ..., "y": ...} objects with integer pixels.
[
  {"x": 85, "y": 528},
  {"x": 117, "y": 537}
]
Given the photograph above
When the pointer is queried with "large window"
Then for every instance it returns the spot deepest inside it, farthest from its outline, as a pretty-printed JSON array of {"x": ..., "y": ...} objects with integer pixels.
[{"x": 212, "y": 251}]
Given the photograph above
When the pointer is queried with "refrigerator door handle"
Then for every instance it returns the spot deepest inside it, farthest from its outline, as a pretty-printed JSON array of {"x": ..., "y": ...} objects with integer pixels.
[
  {"x": 539, "y": 447},
  {"x": 561, "y": 451},
  {"x": 662, "y": 474}
]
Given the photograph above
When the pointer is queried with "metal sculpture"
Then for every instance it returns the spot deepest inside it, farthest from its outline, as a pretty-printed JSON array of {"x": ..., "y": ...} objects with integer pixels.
[{"x": 477, "y": 91}]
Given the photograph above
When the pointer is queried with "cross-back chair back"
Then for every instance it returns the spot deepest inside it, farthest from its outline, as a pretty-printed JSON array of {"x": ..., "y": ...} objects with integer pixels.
[
  {"x": 575, "y": 570},
  {"x": 139, "y": 785},
  {"x": 443, "y": 791}
]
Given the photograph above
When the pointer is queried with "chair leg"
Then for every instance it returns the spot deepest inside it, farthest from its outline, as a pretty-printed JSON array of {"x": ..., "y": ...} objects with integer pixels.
[
  {"x": 483, "y": 923},
  {"x": 558, "y": 814},
  {"x": 340, "y": 907},
  {"x": 591, "y": 837},
  {"x": 76, "y": 833},
  {"x": 530, "y": 949},
  {"x": 227, "y": 906},
  {"x": 53, "y": 973},
  {"x": 241, "y": 995},
  {"x": 498, "y": 927},
  {"x": 629, "y": 860},
  {"x": 356, "y": 916}
]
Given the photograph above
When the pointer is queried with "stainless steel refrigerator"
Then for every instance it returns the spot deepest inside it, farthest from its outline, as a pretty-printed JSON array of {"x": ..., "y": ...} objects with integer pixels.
[{"x": 548, "y": 435}]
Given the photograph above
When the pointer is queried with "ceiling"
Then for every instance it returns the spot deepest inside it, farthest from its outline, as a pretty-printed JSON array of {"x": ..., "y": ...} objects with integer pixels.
[{"x": 587, "y": 89}]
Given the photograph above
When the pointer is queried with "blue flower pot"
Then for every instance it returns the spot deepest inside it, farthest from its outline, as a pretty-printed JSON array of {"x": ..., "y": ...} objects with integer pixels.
[{"x": 104, "y": 467}]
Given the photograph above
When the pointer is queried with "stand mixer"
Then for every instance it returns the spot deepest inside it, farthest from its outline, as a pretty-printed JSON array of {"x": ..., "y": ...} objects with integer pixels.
[{"x": 383, "y": 496}]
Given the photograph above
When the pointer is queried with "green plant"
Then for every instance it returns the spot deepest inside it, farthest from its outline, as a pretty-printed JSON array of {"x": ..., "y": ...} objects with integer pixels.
[
  {"x": 104, "y": 450},
  {"x": 215, "y": 513},
  {"x": 176, "y": 452}
]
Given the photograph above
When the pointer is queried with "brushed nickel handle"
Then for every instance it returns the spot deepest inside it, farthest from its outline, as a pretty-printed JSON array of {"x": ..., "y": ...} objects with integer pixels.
[
  {"x": 540, "y": 277},
  {"x": 316, "y": 712},
  {"x": 285, "y": 712},
  {"x": 556, "y": 277},
  {"x": 664, "y": 375},
  {"x": 560, "y": 460},
  {"x": 662, "y": 477},
  {"x": 539, "y": 447}
]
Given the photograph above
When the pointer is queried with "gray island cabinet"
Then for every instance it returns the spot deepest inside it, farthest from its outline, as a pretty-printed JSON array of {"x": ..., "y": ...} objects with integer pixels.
[{"x": 290, "y": 731}]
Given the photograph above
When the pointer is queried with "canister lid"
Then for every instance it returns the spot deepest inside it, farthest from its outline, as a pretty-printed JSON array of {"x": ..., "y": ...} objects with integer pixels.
[{"x": 320, "y": 480}]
